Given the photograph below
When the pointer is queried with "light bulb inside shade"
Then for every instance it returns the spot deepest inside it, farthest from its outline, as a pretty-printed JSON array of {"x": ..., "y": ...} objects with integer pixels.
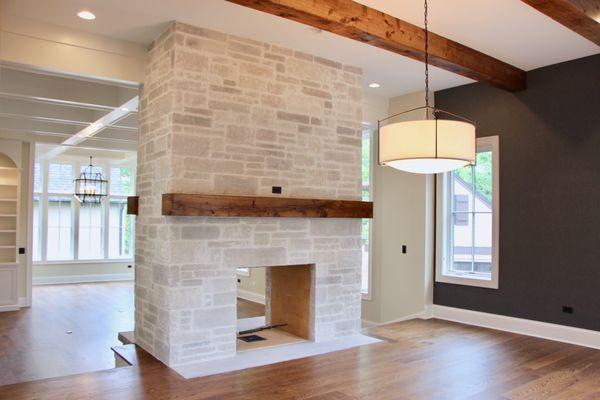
[
  {"x": 427, "y": 165},
  {"x": 88, "y": 15}
]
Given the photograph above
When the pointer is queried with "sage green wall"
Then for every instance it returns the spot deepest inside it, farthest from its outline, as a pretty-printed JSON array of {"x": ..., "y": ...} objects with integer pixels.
[{"x": 403, "y": 211}]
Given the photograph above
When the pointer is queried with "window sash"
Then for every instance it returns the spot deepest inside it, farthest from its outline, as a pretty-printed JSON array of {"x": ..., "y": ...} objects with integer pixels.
[
  {"x": 448, "y": 269},
  {"x": 76, "y": 213},
  {"x": 367, "y": 224}
]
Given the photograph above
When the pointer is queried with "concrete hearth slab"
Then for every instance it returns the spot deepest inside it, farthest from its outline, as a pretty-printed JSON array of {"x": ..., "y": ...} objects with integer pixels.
[{"x": 271, "y": 355}]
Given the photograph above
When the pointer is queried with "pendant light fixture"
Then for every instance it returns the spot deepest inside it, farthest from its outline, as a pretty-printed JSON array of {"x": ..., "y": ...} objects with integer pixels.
[
  {"x": 90, "y": 187},
  {"x": 427, "y": 146}
]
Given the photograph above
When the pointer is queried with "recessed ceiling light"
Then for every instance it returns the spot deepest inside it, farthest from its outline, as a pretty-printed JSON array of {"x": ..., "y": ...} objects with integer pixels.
[
  {"x": 374, "y": 85},
  {"x": 86, "y": 15}
]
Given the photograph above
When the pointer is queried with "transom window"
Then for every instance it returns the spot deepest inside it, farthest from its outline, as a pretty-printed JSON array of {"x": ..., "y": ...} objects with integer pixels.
[
  {"x": 470, "y": 221},
  {"x": 65, "y": 230}
]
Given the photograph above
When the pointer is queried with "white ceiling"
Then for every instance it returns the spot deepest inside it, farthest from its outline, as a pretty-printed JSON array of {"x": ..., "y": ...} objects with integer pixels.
[{"x": 506, "y": 29}]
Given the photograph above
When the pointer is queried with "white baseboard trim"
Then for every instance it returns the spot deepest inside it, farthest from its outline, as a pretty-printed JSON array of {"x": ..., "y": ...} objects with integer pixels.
[
  {"x": 23, "y": 302},
  {"x": 544, "y": 330},
  {"x": 251, "y": 296},
  {"x": 420, "y": 315},
  {"x": 61, "y": 279}
]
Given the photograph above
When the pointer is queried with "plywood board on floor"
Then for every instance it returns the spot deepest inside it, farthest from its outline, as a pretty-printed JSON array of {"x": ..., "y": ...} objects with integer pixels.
[{"x": 275, "y": 337}]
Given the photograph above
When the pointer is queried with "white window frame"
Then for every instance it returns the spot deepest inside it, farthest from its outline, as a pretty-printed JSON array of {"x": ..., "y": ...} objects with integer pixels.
[
  {"x": 488, "y": 143},
  {"x": 77, "y": 163},
  {"x": 368, "y": 127}
]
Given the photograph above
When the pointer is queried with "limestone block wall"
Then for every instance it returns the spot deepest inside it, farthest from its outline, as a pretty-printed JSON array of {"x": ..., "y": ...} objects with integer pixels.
[{"x": 221, "y": 114}]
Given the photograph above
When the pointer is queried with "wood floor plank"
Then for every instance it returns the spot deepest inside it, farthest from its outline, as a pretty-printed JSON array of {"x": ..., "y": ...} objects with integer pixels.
[{"x": 421, "y": 359}]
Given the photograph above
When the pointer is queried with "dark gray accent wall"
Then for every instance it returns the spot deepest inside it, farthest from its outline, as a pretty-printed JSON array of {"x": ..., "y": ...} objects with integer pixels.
[{"x": 549, "y": 194}]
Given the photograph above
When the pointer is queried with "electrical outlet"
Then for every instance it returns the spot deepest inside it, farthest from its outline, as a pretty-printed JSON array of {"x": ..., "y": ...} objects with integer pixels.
[{"x": 567, "y": 309}]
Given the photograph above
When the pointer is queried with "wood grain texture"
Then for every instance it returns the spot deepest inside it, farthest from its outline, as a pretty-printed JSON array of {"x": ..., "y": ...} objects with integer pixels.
[
  {"x": 133, "y": 203},
  {"x": 180, "y": 204},
  {"x": 133, "y": 355},
  {"x": 34, "y": 343},
  {"x": 424, "y": 360},
  {"x": 289, "y": 296},
  {"x": 581, "y": 16},
  {"x": 356, "y": 21}
]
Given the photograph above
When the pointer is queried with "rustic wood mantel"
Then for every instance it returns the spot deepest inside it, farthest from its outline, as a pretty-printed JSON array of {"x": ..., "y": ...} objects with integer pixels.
[{"x": 203, "y": 205}]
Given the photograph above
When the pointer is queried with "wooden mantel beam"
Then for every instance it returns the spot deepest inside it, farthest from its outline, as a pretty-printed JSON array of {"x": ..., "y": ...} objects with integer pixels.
[
  {"x": 581, "y": 16},
  {"x": 359, "y": 22},
  {"x": 205, "y": 205}
]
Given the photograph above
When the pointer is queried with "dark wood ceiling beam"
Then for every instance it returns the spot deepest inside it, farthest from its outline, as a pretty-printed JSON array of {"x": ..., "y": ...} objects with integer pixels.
[
  {"x": 581, "y": 16},
  {"x": 356, "y": 21}
]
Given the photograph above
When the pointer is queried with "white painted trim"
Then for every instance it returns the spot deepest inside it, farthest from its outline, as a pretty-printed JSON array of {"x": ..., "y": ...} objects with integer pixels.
[
  {"x": 24, "y": 302},
  {"x": 55, "y": 280},
  {"x": 419, "y": 315},
  {"x": 545, "y": 330},
  {"x": 10, "y": 308},
  {"x": 251, "y": 296},
  {"x": 488, "y": 143}
]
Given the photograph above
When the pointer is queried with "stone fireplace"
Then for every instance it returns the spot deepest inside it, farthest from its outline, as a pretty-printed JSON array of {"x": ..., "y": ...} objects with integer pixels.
[{"x": 220, "y": 114}]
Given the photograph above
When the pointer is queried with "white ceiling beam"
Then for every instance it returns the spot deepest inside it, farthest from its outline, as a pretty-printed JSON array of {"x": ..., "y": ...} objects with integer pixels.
[{"x": 97, "y": 126}]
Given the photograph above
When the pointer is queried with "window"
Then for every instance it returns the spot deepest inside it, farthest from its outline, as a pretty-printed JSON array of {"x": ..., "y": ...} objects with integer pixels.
[
  {"x": 469, "y": 203},
  {"x": 91, "y": 236},
  {"x": 66, "y": 230},
  {"x": 60, "y": 228},
  {"x": 37, "y": 225},
  {"x": 366, "y": 223},
  {"x": 121, "y": 230}
]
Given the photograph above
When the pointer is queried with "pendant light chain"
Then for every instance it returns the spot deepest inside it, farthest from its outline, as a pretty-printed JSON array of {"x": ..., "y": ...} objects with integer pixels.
[{"x": 426, "y": 56}]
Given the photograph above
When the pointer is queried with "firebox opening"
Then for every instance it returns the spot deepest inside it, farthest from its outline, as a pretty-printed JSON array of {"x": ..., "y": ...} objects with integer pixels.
[{"x": 287, "y": 316}]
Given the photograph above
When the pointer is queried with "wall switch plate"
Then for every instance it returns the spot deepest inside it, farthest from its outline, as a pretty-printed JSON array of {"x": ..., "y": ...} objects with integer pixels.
[{"x": 276, "y": 189}]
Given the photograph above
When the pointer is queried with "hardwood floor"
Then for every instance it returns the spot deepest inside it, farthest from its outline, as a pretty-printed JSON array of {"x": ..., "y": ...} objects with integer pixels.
[
  {"x": 430, "y": 359},
  {"x": 249, "y": 309},
  {"x": 34, "y": 343}
]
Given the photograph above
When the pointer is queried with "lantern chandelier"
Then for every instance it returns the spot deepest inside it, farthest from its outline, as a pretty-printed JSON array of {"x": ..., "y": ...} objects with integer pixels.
[
  {"x": 90, "y": 187},
  {"x": 427, "y": 146}
]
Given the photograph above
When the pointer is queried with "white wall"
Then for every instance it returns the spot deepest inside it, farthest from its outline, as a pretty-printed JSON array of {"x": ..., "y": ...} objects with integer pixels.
[
  {"x": 59, "y": 49},
  {"x": 403, "y": 215},
  {"x": 82, "y": 272}
]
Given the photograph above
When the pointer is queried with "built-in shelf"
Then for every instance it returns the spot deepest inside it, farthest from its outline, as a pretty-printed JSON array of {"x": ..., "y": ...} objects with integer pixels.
[
  {"x": 7, "y": 247},
  {"x": 8, "y": 230},
  {"x": 8, "y": 215},
  {"x": 183, "y": 204},
  {"x": 11, "y": 200}
]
